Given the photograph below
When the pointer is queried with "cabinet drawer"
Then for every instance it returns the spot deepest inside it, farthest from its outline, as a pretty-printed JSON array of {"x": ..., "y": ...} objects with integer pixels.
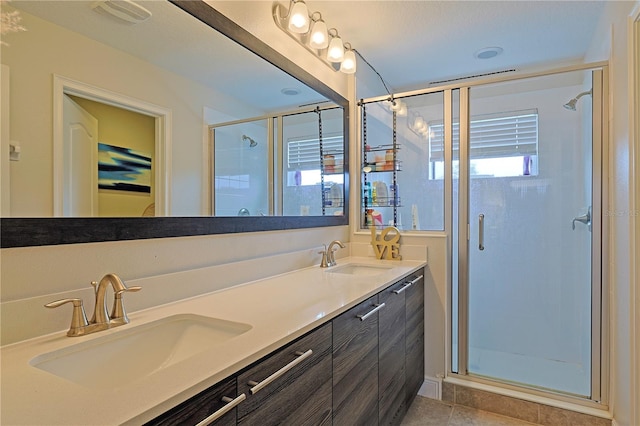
[
  {"x": 301, "y": 395},
  {"x": 201, "y": 406}
]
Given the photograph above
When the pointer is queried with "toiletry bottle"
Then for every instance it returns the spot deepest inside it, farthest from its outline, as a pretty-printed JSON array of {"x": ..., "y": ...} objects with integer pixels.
[{"x": 374, "y": 195}]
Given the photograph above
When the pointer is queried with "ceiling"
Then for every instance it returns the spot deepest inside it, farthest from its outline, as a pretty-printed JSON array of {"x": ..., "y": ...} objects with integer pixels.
[{"x": 414, "y": 43}]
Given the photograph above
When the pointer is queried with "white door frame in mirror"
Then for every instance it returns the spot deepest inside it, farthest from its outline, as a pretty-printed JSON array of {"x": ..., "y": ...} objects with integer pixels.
[
  {"x": 66, "y": 86},
  {"x": 634, "y": 136},
  {"x": 5, "y": 200}
]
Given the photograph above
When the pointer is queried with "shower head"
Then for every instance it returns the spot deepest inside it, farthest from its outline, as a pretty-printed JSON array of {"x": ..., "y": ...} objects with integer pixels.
[
  {"x": 571, "y": 105},
  {"x": 252, "y": 143}
]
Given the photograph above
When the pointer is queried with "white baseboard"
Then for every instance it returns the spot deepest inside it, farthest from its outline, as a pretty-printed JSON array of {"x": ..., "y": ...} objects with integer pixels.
[{"x": 431, "y": 388}]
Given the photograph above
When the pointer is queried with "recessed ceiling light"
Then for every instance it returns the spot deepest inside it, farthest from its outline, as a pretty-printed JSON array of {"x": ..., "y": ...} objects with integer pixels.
[
  {"x": 290, "y": 91},
  {"x": 488, "y": 52}
]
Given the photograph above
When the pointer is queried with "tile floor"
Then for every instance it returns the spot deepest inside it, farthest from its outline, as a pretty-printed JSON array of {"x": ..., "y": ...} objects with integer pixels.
[{"x": 431, "y": 412}]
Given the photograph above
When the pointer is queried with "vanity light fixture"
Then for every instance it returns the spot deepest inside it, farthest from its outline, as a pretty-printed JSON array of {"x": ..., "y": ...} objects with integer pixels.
[
  {"x": 335, "y": 51},
  {"x": 298, "y": 17},
  {"x": 348, "y": 64},
  {"x": 319, "y": 34},
  {"x": 312, "y": 33}
]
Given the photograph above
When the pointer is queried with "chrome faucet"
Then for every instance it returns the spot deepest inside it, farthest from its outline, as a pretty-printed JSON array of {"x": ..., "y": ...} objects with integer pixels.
[
  {"x": 101, "y": 320},
  {"x": 331, "y": 259}
]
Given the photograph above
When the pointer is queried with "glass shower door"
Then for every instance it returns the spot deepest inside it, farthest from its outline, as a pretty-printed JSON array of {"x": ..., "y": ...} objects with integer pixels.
[{"x": 529, "y": 169}]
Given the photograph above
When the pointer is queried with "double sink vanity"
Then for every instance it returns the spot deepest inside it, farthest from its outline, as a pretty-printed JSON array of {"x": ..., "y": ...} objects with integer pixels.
[{"x": 338, "y": 345}]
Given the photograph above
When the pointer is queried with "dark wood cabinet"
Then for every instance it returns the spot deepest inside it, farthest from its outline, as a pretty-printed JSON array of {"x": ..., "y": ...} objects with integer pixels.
[
  {"x": 362, "y": 368},
  {"x": 392, "y": 371},
  {"x": 355, "y": 365},
  {"x": 414, "y": 296},
  {"x": 301, "y": 395},
  {"x": 201, "y": 406}
]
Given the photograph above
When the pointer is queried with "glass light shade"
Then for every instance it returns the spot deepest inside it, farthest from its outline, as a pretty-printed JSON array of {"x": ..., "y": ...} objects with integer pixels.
[
  {"x": 335, "y": 53},
  {"x": 299, "y": 18},
  {"x": 348, "y": 65},
  {"x": 319, "y": 37}
]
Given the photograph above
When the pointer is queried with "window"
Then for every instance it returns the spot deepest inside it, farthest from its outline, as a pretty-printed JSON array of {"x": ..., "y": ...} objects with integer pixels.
[
  {"x": 500, "y": 145},
  {"x": 303, "y": 160}
]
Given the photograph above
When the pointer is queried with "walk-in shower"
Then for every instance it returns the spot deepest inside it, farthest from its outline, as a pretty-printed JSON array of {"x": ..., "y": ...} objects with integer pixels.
[
  {"x": 515, "y": 183},
  {"x": 571, "y": 105}
]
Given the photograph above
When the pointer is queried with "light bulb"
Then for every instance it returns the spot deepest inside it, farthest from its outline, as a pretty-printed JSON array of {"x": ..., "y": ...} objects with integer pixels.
[
  {"x": 348, "y": 65},
  {"x": 319, "y": 38},
  {"x": 299, "y": 18},
  {"x": 335, "y": 53}
]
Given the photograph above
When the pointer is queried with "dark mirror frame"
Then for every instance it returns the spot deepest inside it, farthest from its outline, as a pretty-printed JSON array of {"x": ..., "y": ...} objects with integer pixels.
[{"x": 25, "y": 232}]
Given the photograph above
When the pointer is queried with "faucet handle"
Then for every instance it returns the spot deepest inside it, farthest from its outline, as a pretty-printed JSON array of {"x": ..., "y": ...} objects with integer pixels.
[
  {"x": 323, "y": 262},
  {"x": 118, "y": 314},
  {"x": 79, "y": 320}
]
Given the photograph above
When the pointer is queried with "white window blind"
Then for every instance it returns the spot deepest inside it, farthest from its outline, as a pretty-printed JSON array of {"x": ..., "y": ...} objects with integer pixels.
[
  {"x": 491, "y": 136},
  {"x": 304, "y": 153}
]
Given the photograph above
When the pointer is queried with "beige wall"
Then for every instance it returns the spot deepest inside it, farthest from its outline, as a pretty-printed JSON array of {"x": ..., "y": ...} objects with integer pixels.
[{"x": 126, "y": 129}]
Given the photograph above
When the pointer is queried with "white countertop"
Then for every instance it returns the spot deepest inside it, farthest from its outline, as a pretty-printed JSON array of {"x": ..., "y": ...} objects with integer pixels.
[{"x": 279, "y": 309}]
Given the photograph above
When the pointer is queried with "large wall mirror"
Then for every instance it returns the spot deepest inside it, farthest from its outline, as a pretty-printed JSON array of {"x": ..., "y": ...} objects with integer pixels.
[{"x": 179, "y": 123}]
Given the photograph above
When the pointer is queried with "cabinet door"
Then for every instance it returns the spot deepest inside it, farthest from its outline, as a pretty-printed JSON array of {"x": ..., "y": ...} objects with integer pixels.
[
  {"x": 355, "y": 366},
  {"x": 201, "y": 406},
  {"x": 391, "y": 375},
  {"x": 415, "y": 335},
  {"x": 301, "y": 395}
]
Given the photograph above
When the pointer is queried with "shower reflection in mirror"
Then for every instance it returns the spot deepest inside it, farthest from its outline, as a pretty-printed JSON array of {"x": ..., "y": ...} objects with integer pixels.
[{"x": 288, "y": 164}]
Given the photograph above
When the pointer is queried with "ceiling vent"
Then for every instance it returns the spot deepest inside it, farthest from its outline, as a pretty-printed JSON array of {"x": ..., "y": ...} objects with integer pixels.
[{"x": 124, "y": 11}]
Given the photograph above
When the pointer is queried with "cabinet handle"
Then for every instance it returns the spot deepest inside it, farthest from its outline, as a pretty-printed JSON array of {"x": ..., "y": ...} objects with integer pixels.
[
  {"x": 231, "y": 403},
  {"x": 301, "y": 357},
  {"x": 408, "y": 284},
  {"x": 376, "y": 308}
]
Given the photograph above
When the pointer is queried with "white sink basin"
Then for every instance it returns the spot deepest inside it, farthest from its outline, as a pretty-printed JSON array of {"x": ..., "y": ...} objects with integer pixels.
[
  {"x": 360, "y": 269},
  {"x": 131, "y": 354}
]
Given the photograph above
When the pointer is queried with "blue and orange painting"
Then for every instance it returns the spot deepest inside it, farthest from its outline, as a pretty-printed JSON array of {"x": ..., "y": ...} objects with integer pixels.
[{"x": 123, "y": 169}]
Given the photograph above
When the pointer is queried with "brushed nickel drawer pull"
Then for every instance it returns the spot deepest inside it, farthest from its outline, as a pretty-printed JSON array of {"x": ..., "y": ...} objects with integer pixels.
[
  {"x": 301, "y": 357},
  {"x": 231, "y": 403},
  {"x": 400, "y": 290},
  {"x": 408, "y": 284},
  {"x": 376, "y": 308}
]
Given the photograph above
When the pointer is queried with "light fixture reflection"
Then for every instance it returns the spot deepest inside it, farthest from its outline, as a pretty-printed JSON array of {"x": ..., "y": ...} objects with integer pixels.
[{"x": 299, "y": 17}]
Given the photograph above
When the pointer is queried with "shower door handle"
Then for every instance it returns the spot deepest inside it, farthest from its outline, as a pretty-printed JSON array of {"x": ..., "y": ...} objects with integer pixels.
[
  {"x": 585, "y": 219},
  {"x": 480, "y": 232}
]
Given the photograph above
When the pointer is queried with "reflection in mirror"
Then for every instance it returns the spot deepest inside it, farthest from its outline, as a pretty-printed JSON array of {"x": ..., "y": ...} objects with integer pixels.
[
  {"x": 309, "y": 146},
  {"x": 174, "y": 65},
  {"x": 312, "y": 163},
  {"x": 241, "y": 169},
  {"x": 174, "y": 72}
]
